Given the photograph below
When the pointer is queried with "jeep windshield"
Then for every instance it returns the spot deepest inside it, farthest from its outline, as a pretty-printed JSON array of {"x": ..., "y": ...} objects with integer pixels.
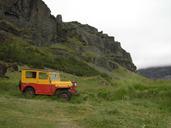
[{"x": 54, "y": 76}]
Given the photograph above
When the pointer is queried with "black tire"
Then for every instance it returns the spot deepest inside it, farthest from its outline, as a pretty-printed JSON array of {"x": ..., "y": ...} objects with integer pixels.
[
  {"x": 64, "y": 95},
  {"x": 29, "y": 92}
]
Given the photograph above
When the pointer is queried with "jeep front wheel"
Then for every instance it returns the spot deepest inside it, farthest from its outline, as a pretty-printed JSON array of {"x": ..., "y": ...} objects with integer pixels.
[
  {"x": 29, "y": 92},
  {"x": 64, "y": 95}
]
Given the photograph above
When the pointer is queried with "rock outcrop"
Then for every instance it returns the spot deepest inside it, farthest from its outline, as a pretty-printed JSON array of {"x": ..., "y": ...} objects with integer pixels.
[
  {"x": 96, "y": 47},
  {"x": 32, "y": 17},
  {"x": 32, "y": 21},
  {"x": 3, "y": 69}
]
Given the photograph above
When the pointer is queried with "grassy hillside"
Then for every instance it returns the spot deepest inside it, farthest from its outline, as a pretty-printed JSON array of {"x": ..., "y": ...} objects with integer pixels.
[
  {"x": 54, "y": 56},
  {"x": 128, "y": 101}
]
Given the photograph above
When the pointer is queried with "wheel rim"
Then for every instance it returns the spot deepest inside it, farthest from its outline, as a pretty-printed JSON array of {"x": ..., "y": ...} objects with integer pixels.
[{"x": 64, "y": 96}]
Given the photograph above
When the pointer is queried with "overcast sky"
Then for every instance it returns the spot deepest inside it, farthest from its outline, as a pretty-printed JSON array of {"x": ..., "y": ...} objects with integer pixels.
[{"x": 142, "y": 26}]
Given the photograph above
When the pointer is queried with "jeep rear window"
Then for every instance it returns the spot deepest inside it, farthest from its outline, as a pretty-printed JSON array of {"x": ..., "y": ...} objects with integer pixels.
[
  {"x": 30, "y": 74},
  {"x": 43, "y": 75}
]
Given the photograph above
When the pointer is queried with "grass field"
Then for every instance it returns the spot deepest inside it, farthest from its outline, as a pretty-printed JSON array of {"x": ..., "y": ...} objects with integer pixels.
[{"x": 127, "y": 101}]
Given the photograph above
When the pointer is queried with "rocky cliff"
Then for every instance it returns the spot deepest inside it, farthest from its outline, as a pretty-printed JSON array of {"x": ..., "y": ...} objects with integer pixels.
[{"x": 31, "y": 20}]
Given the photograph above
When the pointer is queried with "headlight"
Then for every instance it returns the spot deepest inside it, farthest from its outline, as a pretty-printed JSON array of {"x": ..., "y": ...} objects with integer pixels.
[{"x": 74, "y": 83}]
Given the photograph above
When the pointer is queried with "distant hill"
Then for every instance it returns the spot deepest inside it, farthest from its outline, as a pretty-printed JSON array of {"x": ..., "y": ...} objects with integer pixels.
[{"x": 156, "y": 72}]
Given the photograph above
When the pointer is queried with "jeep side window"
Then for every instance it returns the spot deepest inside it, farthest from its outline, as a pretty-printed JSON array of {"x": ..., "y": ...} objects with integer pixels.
[
  {"x": 43, "y": 76},
  {"x": 30, "y": 74},
  {"x": 54, "y": 76}
]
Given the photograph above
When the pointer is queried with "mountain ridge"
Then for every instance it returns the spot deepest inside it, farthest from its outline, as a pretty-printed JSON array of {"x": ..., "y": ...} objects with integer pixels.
[{"x": 160, "y": 72}]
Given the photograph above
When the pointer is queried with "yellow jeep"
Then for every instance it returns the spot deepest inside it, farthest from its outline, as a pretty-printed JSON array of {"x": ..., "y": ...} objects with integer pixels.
[{"x": 45, "y": 82}]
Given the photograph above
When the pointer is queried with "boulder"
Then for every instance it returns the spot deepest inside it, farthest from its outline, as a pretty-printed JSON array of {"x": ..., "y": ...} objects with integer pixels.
[
  {"x": 13, "y": 67},
  {"x": 3, "y": 69}
]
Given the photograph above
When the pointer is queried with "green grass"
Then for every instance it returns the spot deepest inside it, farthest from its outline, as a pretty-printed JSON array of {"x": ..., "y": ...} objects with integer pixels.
[{"x": 127, "y": 101}]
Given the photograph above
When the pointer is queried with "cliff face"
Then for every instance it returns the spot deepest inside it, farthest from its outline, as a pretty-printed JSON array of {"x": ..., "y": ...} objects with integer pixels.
[
  {"x": 32, "y": 21},
  {"x": 96, "y": 47},
  {"x": 32, "y": 17}
]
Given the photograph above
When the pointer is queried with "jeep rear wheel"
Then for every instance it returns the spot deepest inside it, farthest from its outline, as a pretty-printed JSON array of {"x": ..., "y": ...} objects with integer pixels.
[
  {"x": 64, "y": 95},
  {"x": 29, "y": 92}
]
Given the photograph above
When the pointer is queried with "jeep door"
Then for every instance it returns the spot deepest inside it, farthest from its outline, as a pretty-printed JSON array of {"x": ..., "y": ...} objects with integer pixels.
[{"x": 43, "y": 85}]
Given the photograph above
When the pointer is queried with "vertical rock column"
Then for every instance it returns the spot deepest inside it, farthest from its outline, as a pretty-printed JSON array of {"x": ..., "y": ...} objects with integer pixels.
[
  {"x": 59, "y": 23},
  {"x": 59, "y": 29}
]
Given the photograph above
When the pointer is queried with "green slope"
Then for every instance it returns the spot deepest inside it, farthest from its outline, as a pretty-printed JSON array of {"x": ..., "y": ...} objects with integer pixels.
[
  {"x": 15, "y": 49},
  {"x": 128, "y": 101}
]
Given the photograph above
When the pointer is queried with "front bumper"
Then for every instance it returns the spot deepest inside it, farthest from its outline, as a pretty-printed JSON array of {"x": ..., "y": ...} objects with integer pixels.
[{"x": 73, "y": 91}]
